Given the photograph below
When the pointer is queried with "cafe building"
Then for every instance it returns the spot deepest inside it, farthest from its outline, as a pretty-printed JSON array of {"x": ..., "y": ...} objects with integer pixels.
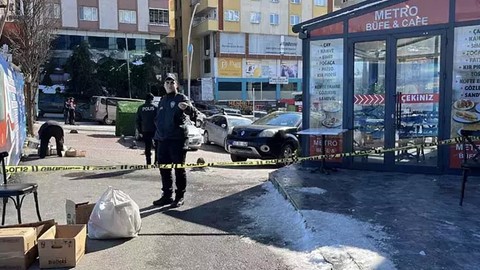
[{"x": 391, "y": 74}]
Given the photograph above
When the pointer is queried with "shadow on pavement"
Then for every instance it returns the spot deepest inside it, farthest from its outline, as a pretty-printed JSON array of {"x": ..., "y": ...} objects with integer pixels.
[
  {"x": 102, "y": 136},
  {"x": 89, "y": 175},
  {"x": 212, "y": 148},
  {"x": 224, "y": 214},
  {"x": 99, "y": 245}
]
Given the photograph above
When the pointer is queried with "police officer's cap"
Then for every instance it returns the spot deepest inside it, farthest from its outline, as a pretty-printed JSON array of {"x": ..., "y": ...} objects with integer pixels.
[{"x": 171, "y": 76}]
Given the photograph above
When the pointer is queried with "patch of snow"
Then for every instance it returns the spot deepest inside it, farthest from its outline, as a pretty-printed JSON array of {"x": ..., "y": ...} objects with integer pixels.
[
  {"x": 311, "y": 190},
  {"x": 329, "y": 240}
]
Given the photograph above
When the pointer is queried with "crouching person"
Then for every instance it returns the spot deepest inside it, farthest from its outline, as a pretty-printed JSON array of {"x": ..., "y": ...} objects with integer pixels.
[{"x": 48, "y": 130}]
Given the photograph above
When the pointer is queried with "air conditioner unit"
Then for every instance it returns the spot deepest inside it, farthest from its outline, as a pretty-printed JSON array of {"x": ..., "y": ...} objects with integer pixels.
[{"x": 207, "y": 52}]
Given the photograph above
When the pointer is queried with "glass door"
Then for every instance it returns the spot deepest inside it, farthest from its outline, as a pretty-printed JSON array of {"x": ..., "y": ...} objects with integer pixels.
[
  {"x": 369, "y": 72},
  {"x": 417, "y": 98}
]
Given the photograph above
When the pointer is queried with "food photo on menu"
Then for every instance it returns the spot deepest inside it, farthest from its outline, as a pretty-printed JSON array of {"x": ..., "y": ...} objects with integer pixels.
[
  {"x": 465, "y": 115},
  {"x": 328, "y": 114}
]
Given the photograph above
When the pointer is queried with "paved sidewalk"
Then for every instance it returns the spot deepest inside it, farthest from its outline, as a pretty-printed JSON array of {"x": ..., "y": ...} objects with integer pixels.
[{"x": 426, "y": 227}]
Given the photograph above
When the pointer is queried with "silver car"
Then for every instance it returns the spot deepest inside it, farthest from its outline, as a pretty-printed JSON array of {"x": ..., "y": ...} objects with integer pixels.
[{"x": 217, "y": 127}]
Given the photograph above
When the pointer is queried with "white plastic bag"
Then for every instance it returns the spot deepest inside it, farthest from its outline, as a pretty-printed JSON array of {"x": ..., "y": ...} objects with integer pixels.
[{"x": 115, "y": 215}]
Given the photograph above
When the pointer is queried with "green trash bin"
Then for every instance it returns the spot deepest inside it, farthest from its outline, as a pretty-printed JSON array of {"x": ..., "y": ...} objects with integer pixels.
[{"x": 126, "y": 116}]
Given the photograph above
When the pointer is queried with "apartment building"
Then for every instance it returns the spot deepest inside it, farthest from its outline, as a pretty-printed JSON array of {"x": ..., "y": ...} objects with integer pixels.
[
  {"x": 111, "y": 27},
  {"x": 244, "y": 49}
]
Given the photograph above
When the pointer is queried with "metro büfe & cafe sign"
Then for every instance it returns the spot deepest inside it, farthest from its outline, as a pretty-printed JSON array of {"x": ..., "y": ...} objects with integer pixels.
[{"x": 411, "y": 13}]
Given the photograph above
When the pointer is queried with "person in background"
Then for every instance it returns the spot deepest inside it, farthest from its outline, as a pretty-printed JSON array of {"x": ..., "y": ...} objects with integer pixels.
[
  {"x": 172, "y": 137},
  {"x": 48, "y": 130},
  {"x": 71, "y": 111},
  {"x": 146, "y": 125},
  {"x": 66, "y": 107}
]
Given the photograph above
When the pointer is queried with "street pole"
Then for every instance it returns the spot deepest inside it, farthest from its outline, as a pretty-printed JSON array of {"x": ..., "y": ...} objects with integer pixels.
[
  {"x": 190, "y": 50},
  {"x": 127, "y": 56},
  {"x": 253, "y": 101}
]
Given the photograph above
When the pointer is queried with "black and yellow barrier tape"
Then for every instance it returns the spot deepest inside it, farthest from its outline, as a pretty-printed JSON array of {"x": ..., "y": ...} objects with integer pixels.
[{"x": 39, "y": 168}]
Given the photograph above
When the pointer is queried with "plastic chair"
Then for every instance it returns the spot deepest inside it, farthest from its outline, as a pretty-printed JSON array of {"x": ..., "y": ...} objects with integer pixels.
[{"x": 16, "y": 192}]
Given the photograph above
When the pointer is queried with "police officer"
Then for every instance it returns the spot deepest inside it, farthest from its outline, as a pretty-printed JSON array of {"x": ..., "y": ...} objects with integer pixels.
[
  {"x": 172, "y": 138},
  {"x": 48, "y": 130},
  {"x": 146, "y": 125}
]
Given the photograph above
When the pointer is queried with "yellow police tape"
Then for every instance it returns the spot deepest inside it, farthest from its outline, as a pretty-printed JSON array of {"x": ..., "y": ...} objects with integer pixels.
[{"x": 34, "y": 168}]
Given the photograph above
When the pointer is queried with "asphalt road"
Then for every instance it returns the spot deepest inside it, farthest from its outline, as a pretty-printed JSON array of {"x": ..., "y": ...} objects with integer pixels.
[{"x": 208, "y": 232}]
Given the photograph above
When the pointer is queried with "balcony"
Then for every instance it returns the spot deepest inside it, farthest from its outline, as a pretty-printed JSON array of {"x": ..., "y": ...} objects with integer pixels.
[
  {"x": 205, "y": 5},
  {"x": 204, "y": 26}
]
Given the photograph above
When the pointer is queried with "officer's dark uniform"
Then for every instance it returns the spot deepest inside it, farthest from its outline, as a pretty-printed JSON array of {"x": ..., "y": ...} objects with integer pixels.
[
  {"x": 172, "y": 138},
  {"x": 146, "y": 125},
  {"x": 48, "y": 130}
]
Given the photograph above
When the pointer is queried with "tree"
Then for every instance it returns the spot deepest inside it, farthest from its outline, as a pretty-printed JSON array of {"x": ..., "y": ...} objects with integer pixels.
[
  {"x": 83, "y": 73},
  {"x": 31, "y": 37},
  {"x": 112, "y": 75}
]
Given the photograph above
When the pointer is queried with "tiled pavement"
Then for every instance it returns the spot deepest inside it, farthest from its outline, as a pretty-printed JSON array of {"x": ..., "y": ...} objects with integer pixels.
[{"x": 427, "y": 228}]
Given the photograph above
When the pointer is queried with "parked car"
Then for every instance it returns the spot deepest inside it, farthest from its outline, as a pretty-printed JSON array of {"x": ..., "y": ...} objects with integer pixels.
[
  {"x": 54, "y": 103},
  {"x": 272, "y": 136},
  {"x": 104, "y": 109},
  {"x": 195, "y": 137},
  {"x": 207, "y": 109},
  {"x": 217, "y": 128}
]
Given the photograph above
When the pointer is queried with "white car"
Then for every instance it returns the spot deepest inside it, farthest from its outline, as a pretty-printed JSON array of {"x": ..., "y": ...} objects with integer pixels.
[
  {"x": 218, "y": 126},
  {"x": 195, "y": 137}
]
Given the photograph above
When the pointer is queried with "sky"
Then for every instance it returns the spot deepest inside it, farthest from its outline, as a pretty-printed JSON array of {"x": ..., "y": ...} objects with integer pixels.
[{"x": 315, "y": 239}]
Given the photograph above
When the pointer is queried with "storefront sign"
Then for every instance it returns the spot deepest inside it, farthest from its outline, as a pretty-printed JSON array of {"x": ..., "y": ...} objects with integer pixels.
[
  {"x": 278, "y": 80},
  {"x": 333, "y": 145},
  {"x": 207, "y": 89},
  {"x": 230, "y": 67},
  {"x": 369, "y": 99},
  {"x": 260, "y": 68},
  {"x": 411, "y": 13},
  {"x": 232, "y": 43},
  {"x": 274, "y": 45},
  {"x": 336, "y": 28},
  {"x": 465, "y": 87},
  {"x": 420, "y": 98},
  {"x": 467, "y": 10},
  {"x": 289, "y": 69}
]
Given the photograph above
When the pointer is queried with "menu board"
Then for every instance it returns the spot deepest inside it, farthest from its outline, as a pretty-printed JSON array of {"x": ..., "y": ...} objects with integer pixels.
[
  {"x": 326, "y": 83},
  {"x": 465, "y": 86},
  {"x": 326, "y": 91}
]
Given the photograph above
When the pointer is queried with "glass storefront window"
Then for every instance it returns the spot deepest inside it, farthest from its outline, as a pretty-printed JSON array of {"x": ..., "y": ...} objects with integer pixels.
[
  {"x": 369, "y": 93},
  {"x": 229, "y": 91}
]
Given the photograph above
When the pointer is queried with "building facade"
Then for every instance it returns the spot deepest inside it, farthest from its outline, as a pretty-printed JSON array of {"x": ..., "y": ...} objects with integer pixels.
[
  {"x": 245, "y": 50},
  {"x": 113, "y": 28}
]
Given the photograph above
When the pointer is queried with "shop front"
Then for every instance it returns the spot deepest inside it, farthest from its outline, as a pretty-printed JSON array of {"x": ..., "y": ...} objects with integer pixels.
[{"x": 394, "y": 74}]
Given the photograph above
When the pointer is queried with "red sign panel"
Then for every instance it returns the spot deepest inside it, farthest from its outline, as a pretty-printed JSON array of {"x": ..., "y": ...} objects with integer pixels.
[
  {"x": 420, "y": 98},
  {"x": 456, "y": 154},
  {"x": 467, "y": 10},
  {"x": 333, "y": 145},
  {"x": 411, "y": 13},
  {"x": 336, "y": 28},
  {"x": 369, "y": 99}
]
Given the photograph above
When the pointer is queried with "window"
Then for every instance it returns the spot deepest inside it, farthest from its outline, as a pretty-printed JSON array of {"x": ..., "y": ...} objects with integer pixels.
[
  {"x": 321, "y": 3},
  {"x": 295, "y": 1},
  {"x": 89, "y": 14},
  {"x": 159, "y": 16},
  {"x": 232, "y": 15},
  {"x": 207, "y": 67},
  {"x": 54, "y": 10},
  {"x": 255, "y": 17},
  {"x": 274, "y": 1},
  {"x": 127, "y": 16},
  {"x": 274, "y": 19},
  {"x": 294, "y": 19}
]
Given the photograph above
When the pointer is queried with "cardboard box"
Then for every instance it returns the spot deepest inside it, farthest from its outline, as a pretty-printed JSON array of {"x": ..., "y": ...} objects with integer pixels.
[
  {"x": 62, "y": 246},
  {"x": 17, "y": 247},
  {"x": 78, "y": 213},
  {"x": 16, "y": 262},
  {"x": 75, "y": 153}
]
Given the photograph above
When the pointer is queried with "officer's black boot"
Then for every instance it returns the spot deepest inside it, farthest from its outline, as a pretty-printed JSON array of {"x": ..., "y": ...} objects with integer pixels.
[
  {"x": 164, "y": 200},
  {"x": 149, "y": 160},
  {"x": 179, "y": 200}
]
